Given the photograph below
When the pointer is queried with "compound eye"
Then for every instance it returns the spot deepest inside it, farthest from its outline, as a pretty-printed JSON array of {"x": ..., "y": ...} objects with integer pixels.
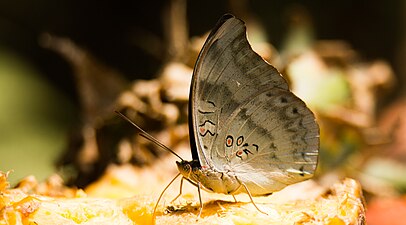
[{"x": 187, "y": 167}]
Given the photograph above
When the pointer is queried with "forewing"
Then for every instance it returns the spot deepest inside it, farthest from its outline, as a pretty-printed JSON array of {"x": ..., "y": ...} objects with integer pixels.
[{"x": 226, "y": 74}]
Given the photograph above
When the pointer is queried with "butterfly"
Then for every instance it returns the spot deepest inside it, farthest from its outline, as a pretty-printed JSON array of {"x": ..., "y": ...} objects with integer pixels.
[{"x": 248, "y": 132}]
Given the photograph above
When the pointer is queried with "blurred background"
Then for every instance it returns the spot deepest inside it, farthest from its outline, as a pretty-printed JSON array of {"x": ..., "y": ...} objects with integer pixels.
[{"x": 66, "y": 65}]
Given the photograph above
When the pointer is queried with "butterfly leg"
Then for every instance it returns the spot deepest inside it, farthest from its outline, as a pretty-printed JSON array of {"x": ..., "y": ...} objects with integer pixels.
[
  {"x": 252, "y": 201},
  {"x": 180, "y": 191},
  {"x": 160, "y": 196},
  {"x": 235, "y": 200},
  {"x": 200, "y": 200}
]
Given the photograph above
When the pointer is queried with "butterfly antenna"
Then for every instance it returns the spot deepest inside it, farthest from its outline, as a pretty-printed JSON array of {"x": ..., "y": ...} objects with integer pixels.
[{"x": 147, "y": 136}]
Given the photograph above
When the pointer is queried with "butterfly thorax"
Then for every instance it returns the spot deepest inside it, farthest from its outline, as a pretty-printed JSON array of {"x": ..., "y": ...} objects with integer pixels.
[{"x": 211, "y": 179}]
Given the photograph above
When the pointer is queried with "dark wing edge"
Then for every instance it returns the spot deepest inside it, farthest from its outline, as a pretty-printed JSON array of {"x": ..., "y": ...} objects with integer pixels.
[{"x": 207, "y": 44}]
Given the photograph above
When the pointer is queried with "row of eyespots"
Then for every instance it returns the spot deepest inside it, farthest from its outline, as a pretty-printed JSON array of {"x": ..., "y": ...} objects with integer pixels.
[{"x": 230, "y": 140}]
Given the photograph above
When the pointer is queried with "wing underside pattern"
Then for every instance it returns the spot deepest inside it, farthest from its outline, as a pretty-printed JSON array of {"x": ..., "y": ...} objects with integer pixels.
[{"x": 245, "y": 118}]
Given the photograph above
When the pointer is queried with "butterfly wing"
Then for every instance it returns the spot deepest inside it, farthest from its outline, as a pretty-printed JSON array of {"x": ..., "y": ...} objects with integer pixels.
[
  {"x": 276, "y": 141},
  {"x": 243, "y": 118}
]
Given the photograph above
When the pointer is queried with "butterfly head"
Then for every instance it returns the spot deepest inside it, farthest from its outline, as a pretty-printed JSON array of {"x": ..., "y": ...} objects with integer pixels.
[{"x": 188, "y": 168}]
